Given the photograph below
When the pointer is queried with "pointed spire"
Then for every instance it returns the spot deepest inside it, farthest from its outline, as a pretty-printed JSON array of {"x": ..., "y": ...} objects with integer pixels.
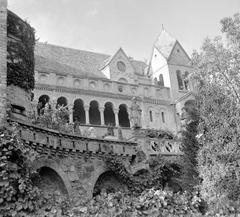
[{"x": 165, "y": 43}]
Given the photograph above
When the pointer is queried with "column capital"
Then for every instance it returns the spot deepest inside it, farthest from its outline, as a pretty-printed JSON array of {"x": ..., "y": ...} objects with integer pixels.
[
  {"x": 101, "y": 109},
  {"x": 116, "y": 110},
  {"x": 86, "y": 107}
]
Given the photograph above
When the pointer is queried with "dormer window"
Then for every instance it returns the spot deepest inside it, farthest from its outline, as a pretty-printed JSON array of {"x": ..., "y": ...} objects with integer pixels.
[{"x": 121, "y": 66}]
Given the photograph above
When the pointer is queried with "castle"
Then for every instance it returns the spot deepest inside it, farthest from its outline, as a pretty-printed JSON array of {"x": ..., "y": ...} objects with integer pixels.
[
  {"x": 99, "y": 87},
  {"x": 98, "y": 90}
]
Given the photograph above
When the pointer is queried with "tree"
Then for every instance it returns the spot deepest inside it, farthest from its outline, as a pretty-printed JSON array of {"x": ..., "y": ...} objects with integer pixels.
[
  {"x": 217, "y": 68},
  {"x": 190, "y": 146}
]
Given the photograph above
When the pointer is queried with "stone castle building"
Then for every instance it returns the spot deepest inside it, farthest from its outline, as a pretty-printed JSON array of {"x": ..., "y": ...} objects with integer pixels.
[
  {"x": 99, "y": 87},
  {"x": 98, "y": 91}
]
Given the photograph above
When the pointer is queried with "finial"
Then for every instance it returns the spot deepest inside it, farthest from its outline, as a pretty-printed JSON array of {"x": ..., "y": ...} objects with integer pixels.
[{"x": 162, "y": 27}]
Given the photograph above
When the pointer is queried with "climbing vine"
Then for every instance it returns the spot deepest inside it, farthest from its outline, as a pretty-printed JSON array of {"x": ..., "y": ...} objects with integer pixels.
[
  {"x": 159, "y": 173},
  {"x": 20, "y": 49},
  {"x": 17, "y": 193}
]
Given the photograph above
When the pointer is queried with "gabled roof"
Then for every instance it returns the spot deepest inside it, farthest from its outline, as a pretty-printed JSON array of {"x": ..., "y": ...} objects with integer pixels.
[
  {"x": 138, "y": 66},
  {"x": 43, "y": 64},
  {"x": 85, "y": 61},
  {"x": 165, "y": 43},
  {"x": 57, "y": 59}
]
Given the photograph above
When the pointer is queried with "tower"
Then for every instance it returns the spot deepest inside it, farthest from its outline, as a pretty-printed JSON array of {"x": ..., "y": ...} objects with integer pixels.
[{"x": 170, "y": 65}]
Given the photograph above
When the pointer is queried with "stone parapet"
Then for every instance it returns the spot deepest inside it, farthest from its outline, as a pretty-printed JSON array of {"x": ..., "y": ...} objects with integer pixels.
[{"x": 69, "y": 143}]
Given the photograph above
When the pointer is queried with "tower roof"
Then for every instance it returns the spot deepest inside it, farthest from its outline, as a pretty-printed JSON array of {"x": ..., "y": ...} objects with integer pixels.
[{"x": 165, "y": 43}]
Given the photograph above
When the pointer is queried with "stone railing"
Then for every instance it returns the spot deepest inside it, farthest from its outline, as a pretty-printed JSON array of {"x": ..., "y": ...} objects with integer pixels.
[{"x": 72, "y": 143}]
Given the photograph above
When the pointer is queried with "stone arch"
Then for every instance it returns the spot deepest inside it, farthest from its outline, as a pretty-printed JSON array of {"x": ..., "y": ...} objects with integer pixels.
[
  {"x": 109, "y": 117},
  {"x": 79, "y": 112},
  {"x": 62, "y": 101},
  {"x": 94, "y": 113},
  {"x": 54, "y": 166},
  {"x": 42, "y": 100},
  {"x": 107, "y": 181},
  {"x": 123, "y": 116}
]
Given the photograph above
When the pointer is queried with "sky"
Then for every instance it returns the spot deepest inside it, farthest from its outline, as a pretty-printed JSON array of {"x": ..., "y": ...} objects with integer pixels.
[{"x": 104, "y": 26}]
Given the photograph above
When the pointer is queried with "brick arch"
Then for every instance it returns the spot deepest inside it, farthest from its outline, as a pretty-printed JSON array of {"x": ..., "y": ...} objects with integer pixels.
[{"x": 52, "y": 164}]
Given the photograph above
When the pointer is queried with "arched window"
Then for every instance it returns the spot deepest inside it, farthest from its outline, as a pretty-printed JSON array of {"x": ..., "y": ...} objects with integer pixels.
[
  {"x": 180, "y": 81},
  {"x": 94, "y": 114},
  {"x": 150, "y": 116},
  {"x": 161, "y": 80},
  {"x": 109, "y": 117},
  {"x": 61, "y": 101},
  {"x": 163, "y": 117},
  {"x": 79, "y": 112},
  {"x": 41, "y": 103},
  {"x": 123, "y": 116}
]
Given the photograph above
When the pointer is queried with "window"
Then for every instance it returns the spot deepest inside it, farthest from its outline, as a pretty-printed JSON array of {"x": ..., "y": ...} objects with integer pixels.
[
  {"x": 180, "y": 80},
  {"x": 163, "y": 117},
  {"x": 186, "y": 81},
  {"x": 150, "y": 116},
  {"x": 121, "y": 66},
  {"x": 161, "y": 80}
]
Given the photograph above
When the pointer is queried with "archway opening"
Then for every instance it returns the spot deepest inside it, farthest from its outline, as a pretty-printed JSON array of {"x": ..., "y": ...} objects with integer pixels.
[
  {"x": 41, "y": 103},
  {"x": 94, "y": 114},
  {"x": 108, "y": 182},
  {"x": 50, "y": 182},
  {"x": 79, "y": 112},
  {"x": 123, "y": 116},
  {"x": 61, "y": 101},
  {"x": 109, "y": 117}
]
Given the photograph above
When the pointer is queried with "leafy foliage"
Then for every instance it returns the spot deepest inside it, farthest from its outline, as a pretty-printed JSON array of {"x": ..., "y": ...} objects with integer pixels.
[
  {"x": 190, "y": 146},
  {"x": 160, "y": 172},
  {"x": 20, "y": 47},
  {"x": 217, "y": 70},
  {"x": 148, "y": 203},
  {"x": 18, "y": 195}
]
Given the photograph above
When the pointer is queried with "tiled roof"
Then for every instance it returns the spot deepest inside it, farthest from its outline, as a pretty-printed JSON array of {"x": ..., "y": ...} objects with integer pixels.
[
  {"x": 165, "y": 43},
  {"x": 43, "y": 64},
  {"x": 85, "y": 61},
  {"x": 57, "y": 59},
  {"x": 139, "y": 66}
]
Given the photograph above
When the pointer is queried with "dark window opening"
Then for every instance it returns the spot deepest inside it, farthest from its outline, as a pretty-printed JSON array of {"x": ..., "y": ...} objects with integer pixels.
[
  {"x": 163, "y": 117},
  {"x": 123, "y": 116},
  {"x": 79, "y": 112},
  {"x": 150, "y": 116},
  {"x": 94, "y": 114},
  {"x": 109, "y": 117},
  {"x": 180, "y": 81}
]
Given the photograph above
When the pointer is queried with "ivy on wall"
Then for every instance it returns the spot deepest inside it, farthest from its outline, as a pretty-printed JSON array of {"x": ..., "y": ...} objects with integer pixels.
[{"x": 20, "y": 52}]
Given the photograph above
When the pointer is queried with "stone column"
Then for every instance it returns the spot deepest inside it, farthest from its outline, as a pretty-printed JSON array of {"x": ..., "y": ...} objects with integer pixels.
[
  {"x": 70, "y": 107},
  {"x": 86, "y": 108},
  {"x": 3, "y": 60},
  {"x": 101, "y": 109},
  {"x": 116, "y": 117}
]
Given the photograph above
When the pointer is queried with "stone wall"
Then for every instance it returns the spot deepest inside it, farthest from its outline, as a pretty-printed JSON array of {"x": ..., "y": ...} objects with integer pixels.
[{"x": 3, "y": 58}]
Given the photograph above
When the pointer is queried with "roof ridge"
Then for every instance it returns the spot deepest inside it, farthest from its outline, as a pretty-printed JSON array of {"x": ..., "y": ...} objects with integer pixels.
[{"x": 70, "y": 48}]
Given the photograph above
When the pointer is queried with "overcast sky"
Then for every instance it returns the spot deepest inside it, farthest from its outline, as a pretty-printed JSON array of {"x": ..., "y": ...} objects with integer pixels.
[{"x": 105, "y": 25}]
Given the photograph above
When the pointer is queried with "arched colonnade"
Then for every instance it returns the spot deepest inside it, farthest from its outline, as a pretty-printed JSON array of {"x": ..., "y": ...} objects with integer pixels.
[{"x": 92, "y": 113}]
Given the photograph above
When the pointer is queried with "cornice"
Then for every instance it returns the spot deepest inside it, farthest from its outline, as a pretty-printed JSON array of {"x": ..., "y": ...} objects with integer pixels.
[{"x": 97, "y": 93}]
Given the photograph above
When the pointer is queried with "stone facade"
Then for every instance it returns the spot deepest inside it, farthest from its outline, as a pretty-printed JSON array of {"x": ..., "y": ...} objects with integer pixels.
[
  {"x": 87, "y": 80},
  {"x": 97, "y": 90}
]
